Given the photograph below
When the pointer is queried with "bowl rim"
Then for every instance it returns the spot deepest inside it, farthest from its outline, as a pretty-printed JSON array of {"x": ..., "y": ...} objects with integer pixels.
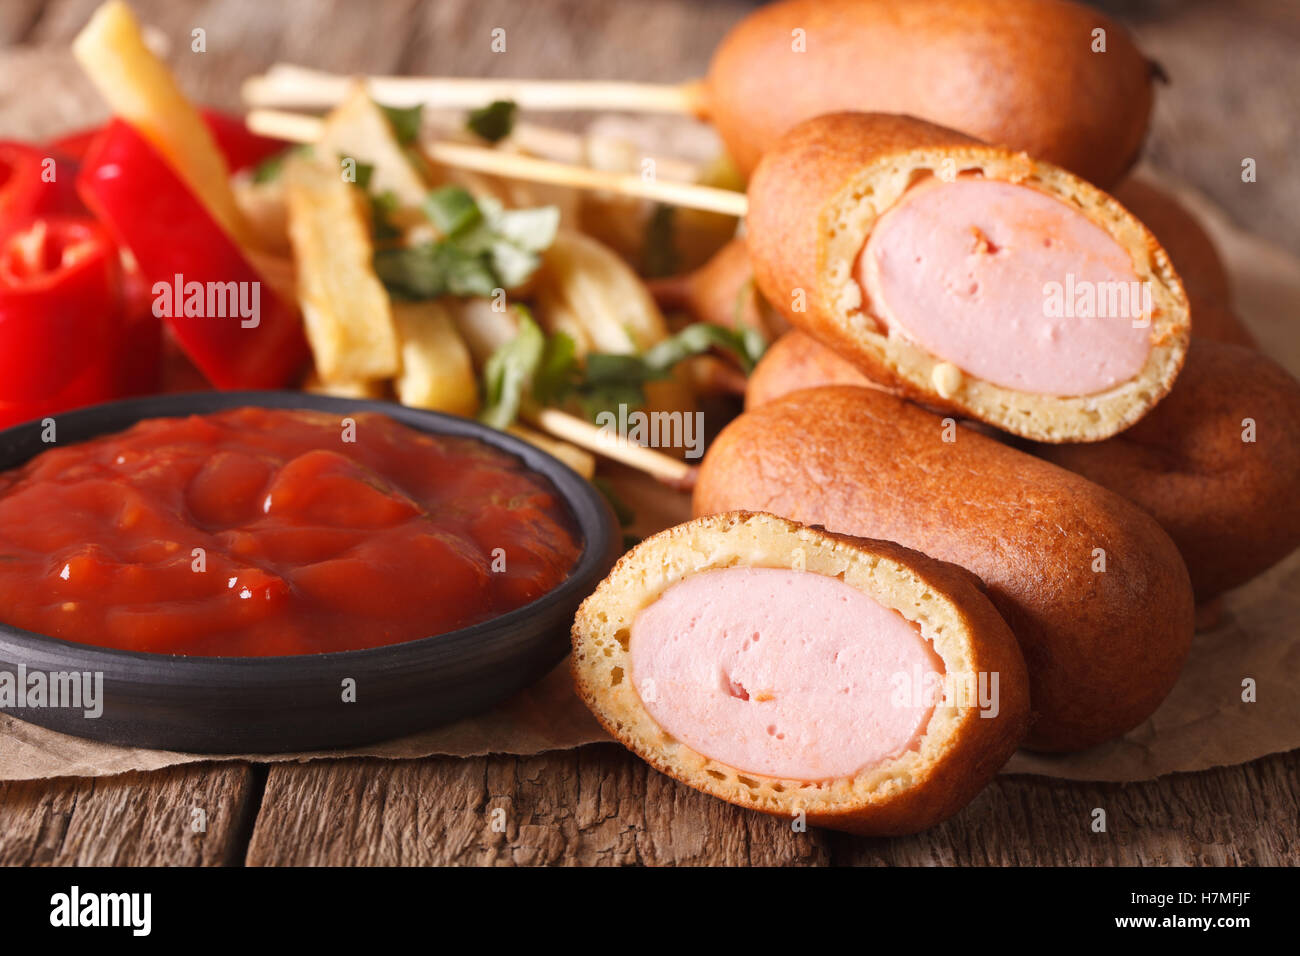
[{"x": 591, "y": 514}]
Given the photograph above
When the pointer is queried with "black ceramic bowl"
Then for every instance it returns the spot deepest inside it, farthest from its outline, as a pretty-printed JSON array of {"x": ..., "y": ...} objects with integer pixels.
[{"x": 277, "y": 704}]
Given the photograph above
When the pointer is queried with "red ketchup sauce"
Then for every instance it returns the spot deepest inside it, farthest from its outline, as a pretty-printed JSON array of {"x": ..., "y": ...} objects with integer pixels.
[{"x": 310, "y": 543}]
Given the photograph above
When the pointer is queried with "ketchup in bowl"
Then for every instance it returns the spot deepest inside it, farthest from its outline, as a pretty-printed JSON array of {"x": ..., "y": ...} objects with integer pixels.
[{"x": 256, "y": 531}]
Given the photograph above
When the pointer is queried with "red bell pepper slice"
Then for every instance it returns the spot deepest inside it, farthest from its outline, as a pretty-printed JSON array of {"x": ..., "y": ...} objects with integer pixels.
[
  {"x": 100, "y": 382},
  {"x": 60, "y": 308},
  {"x": 26, "y": 189},
  {"x": 139, "y": 360},
  {"x": 241, "y": 147},
  {"x": 239, "y": 332},
  {"x": 75, "y": 145},
  {"x": 132, "y": 365}
]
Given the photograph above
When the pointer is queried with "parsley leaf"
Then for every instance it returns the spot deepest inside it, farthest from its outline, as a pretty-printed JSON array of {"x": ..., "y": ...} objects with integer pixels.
[
  {"x": 531, "y": 365},
  {"x": 659, "y": 249},
  {"x": 746, "y": 345},
  {"x": 609, "y": 380},
  {"x": 364, "y": 172},
  {"x": 484, "y": 247},
  {"x": 494, "y": 121},
  {"x": 269, "y": 169},
  {"x": 451, "y": 209},
  {"x": 546, "y": 370},
  {"x": 405, "y": 120},
  {"x": 382, "y": 207},
  {"x": 434, "y": 269}
]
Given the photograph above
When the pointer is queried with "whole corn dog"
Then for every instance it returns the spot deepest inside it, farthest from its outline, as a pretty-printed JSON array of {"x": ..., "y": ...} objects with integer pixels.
[
  {"x": 1093, "y": 589},
  {"x": 1216, "y": 322},
  {"x": 968, "y": 277},
  {"x": 1195, "y": 256},
  {"x": 1216, "y": 463},
  {"x": 1054, "y": 79},
  {"x": 721, "y": 292},
  {"x": 797, "y": 361}
]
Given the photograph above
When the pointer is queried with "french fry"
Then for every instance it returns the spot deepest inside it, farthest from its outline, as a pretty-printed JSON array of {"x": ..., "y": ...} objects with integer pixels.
[
  {"x": 586, "y": 290},
  {"x": 698, "y": 234},
  {"x": 583, "y": 462},
  {"x": 141, "y": 90},
  {"x": 616, "y": 220},
  {"x": 373, "y": 390},
  {"x": 277, "y": 270},
  {"x": 437, "y": 371},
  {"x": 357, "y": 129},
  {"x": 263, "y": 208},
  {"x": 346, "y": 311}
]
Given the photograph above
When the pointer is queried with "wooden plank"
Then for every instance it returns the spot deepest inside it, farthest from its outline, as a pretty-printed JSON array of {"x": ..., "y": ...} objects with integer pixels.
[
  {"x": 600, "y": 805},
  {"x": 241, "y": 38},
  {"x": 594, "y": 806},
  {"x": 18, "y": 18},
  {"x": 244, "y": 38},
  {"x": 135, "y": 819},
  {"x": 1245, "y": 815},
  {"x": 651, "y": 40}
]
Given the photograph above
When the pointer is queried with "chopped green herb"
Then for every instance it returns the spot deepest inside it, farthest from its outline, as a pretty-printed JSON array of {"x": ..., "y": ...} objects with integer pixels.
[
  {"x": 512, "y": 264},
  {"x": 451, "y": 209},
  {"x": 484, "y": 247},
  {"x": 746, "y": 345},
  {"x": 405, "y": 120},
  {"x": 532, "y": 229},
  {"x": 659, "y": 249},
  {"x": 523, "y": 368},
  {"x": 557, "y": 370},
  {"x": 546, "y": 370},
  {"x": 508, "y": 373},
  {"x": 434, "y": 269},
  {"x": 494, "y": 121},
  {"x": 610, "y": 380},
  {"x": 364, "y": 173},
  {"x": 269, "y": 169},
  {"x": 382, "y": 207}
]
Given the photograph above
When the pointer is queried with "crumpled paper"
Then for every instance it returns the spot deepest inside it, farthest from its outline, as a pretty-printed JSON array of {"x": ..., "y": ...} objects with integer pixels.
[{"x": 1204, "y": 722}]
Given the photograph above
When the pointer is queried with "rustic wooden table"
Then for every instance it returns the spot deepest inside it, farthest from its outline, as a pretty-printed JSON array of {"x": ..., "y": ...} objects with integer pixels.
[{"x": 1236, "y": 70}]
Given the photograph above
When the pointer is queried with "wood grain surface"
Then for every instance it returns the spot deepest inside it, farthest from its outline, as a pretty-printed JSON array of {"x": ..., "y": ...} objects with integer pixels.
[
  {"x": 196, "y": 815},
  {"x": 1235, "y": 70}
]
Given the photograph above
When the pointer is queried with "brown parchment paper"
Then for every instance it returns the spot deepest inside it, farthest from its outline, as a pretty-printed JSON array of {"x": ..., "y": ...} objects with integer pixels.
[{"x": 1204, "y": 722}]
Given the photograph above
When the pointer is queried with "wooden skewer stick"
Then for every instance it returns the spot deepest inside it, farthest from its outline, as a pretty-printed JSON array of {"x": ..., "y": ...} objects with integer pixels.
[
  {"x": 298, "y": 128},
  {"x": 513, "y": 166},
  {"x": 294, "y": 86},
  {"x": 604, "y": 442},
  {"x": 292, "y": 127},
  {"x": 558, "y": 144}
]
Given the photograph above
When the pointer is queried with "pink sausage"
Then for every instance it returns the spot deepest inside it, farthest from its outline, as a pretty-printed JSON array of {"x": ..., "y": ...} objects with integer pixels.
[
  {"x": 783, "y": 673},
  {"x": 966, "y": 269}
]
